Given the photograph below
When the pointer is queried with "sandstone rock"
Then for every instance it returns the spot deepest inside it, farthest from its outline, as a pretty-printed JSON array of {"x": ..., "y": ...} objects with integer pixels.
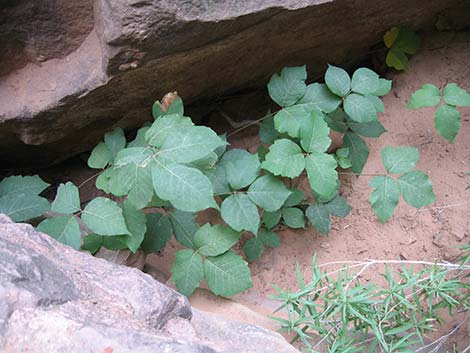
[
  {"x": 55, "y": 299},
  {"x": 73, "y": 73}
]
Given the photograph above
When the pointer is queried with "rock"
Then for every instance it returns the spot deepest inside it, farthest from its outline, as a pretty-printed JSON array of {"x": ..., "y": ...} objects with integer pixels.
[
  {"x": 123, "y": 257},
  {"x": 206, "y": 301},
  {"x": 441, "y": 239},
  {"x": 71, "y": 72},
  {"x": 455, "y": 18},
  {"x": 55, "y": 299}
]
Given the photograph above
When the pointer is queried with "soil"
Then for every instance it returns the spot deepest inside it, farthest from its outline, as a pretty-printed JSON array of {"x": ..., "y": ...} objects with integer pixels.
[{"x": 431, "y": 233}]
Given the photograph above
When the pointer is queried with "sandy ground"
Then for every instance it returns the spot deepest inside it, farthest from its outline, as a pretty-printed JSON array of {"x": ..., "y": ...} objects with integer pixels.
[{"x": 431, "y": 233}]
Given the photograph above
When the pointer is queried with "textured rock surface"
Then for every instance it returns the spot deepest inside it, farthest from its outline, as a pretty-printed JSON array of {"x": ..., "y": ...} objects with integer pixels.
[
  {"x": 55, "y": 299},
  {"x": 71, "y": 72}
]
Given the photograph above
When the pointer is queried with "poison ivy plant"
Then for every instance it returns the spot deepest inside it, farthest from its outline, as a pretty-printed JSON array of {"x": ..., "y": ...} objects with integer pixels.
[
  {"x": 254, "y": 247},
  {"x": 446, "y": 116},
  {"x": 226, "y": 273},
  {"x": 319, "y": 214},
  {"x": 19, "y": 197},
  {"x": 401, "y": 43},
  {"x": 158, "y": 182},
  {"x": 413, "y": 185}
]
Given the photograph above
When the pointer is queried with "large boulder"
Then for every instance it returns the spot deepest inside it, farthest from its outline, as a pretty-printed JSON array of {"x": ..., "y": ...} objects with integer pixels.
[
  {"x": 74, "y": 69},
  {"x": 55, "y": 299}
]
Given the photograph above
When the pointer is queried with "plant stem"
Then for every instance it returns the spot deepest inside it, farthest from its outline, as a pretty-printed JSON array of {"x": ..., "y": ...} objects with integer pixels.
[{"x": 90, "y": 178}]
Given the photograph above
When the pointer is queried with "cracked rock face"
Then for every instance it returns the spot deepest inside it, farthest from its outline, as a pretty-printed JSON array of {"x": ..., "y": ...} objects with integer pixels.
[
  {"x": 72, "y": 70},
  {"x": 55, "y": 299}
]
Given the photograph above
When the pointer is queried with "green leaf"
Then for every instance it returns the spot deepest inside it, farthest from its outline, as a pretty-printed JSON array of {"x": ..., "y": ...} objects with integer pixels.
[
  {"x": 262, "y": 151},
  {"x": 293, "y": 217},
  {"x": 359, "y": 108},
  {"x": 271, "y": 219},
  {"x": 384, "y": 199},
  {"x": 18, "y": 184},
  {"x": 268, "y": 193},
  {"x": 176, "y": 106},
  {"x": 406, "y": 41},
  {"x": 100, "y": 156},
  {"x": 370, "y": 129},
  {"x": 397, "y": 59},
  {"x": 267, "y": 132},
  {"x": 104, "y": 179},
  {"x": 92, "y": 243},
  {"x": 115, "y": 141},
  {"x": 296, "y": 197},
  {"x": 319, "y": 217},
  {"x": 158, "y": 232},
  {"x": 399, "y": 159},
  {"x": 64, "y": 229},
  {"x": 289, "y": 87},
  {"x": 242, "y": 168},
  {"x": 336, "y": 120},
  {"x": 338, "y": 207},
  {"x": 359, "y": 152},
  {"x": 131, "y": 180},
  {"x": 342, "y": 157},
  {"x": 427, "y": 96},
  {"x": 213, "y": 241},
  {"x": 131, "y": 176},
  {"x": 416, "y": 189},
  {"x": 188, "y": 144},
  {"x": 165, "y": 126},
  {"x": 186, "y": 188},
  {"x": 253, "y": 249},
  {"x": 184, "y": 227},
  {"x": 365, "y": 81},
  {"x": 19, "y": 199},
  {"x": 315, "y": 133},
  {"x": 113, "y": 243},
  {"x": 171, "y": 104},
  {"x": 21, "y": 207},
  {"x": 284, "y": 158},
  {"x": 337, "y": 80},
  {"x": 391, "y": 36},
  {"x": 67, "y": 199},
  {"x": 117, "y": 180},
  {"x": 377, "y": 102},
  {"x": 456, "y": 96},
  {"x": 269, "y": 238},
  {"x": 206, "y": 163},
  {"x": 447, "y": 122},
  {"x": 342, "y": 152},
  {"x": 384, "y": 87},
  {"x": 104, "y": 217},
  {"x": 289, "y": 120},
  {"x": 136, "y": 224},
  {"x": 322, "y": 174},
  {"x": 219, "y": 179},
  {"x": 139, "y": 140},
  {"x": 232, "y": 155},
  {"x": 227, "y": 274},
  {"x": 319, "y": 97},
  {"x": 157, "y": 202},
  {"x": 240, "y": 213},
  {"x": 141, "y": 187},
  {"x": 132, "y": 155},
  {"x": 187, "y": 271},
  {"x": 219, "y": 151}
]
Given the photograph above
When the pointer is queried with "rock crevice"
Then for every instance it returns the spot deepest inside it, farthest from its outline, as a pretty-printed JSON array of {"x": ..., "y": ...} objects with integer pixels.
[{"x": 102, "y": 63}]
